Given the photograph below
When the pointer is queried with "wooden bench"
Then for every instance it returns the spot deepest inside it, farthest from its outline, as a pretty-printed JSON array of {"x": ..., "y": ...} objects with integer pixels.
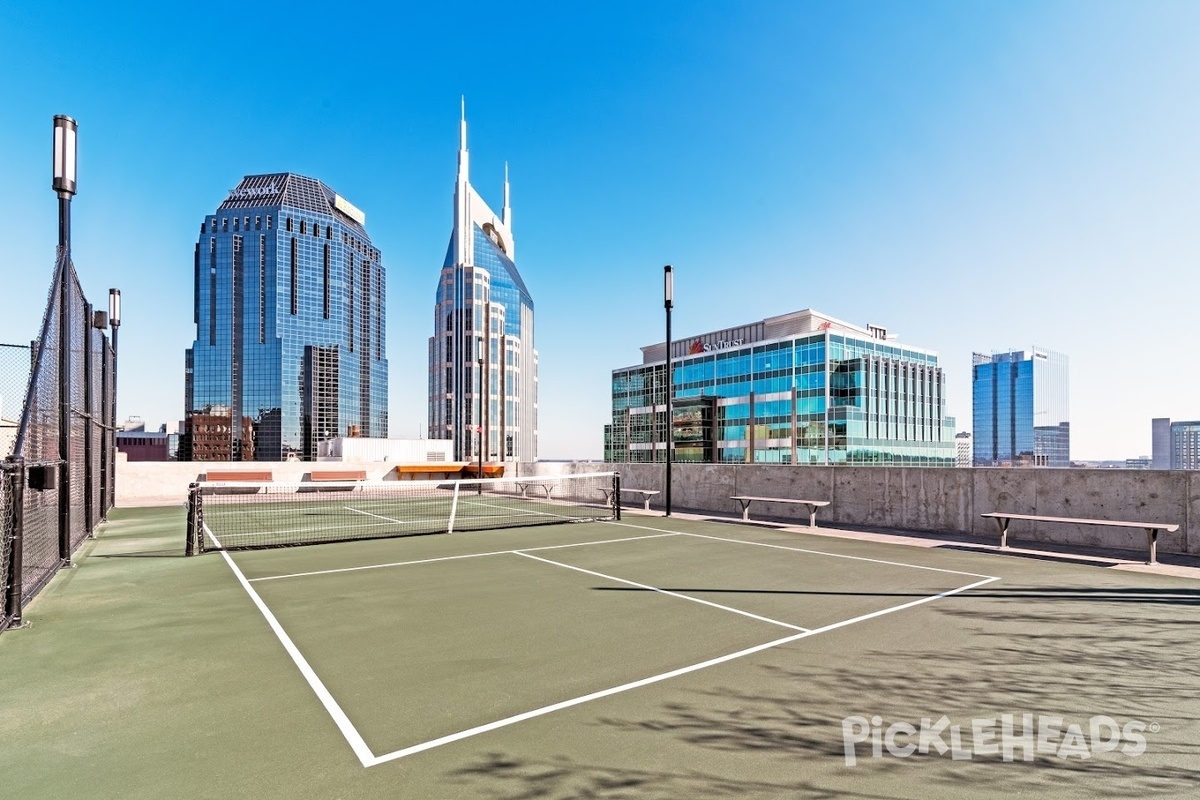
[
  {"x": 348, "y": 480},
  {"x": 812, "y": 505},
  {"x": 645, "y": 493},
  {"x": 240, "y": 475},
  {"x": 1151, "y": 528},
  {"x": 338, "y": 475}
]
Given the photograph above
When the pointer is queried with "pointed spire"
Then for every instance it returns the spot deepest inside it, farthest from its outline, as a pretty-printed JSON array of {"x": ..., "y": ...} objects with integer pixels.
[
  {"x": 462, "y": 125},
  {"x": 506, "y": 213}
]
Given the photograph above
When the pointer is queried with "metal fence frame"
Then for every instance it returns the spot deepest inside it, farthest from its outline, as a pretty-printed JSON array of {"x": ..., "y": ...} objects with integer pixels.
[{"x": 57, "y": 477}]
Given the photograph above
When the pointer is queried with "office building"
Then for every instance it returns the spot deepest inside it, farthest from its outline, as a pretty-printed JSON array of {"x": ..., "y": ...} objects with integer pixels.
[
  {"x": 482, "y": 363},
  {"x": 289, "y": 313},
  {"x": 1019, "y": 404},
  {"x": 1175, "y": 445},
  {"x": 801, "y": 388}
]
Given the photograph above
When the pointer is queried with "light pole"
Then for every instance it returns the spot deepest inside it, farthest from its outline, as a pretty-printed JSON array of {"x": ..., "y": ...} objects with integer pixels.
[
  {"x": 668, "y": 303},
  {"x": 65, "y": 152},
  {"x": 114, "y": 319},
  {"x": 479, "y": 421}
]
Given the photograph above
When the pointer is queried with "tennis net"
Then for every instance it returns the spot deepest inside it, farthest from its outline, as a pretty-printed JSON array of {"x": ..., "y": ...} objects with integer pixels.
[{"x": 245, "y": 515}]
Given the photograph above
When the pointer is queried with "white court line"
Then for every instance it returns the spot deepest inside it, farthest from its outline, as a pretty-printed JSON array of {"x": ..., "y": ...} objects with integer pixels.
[
  {"x": 351, "y": 734},
  {"x": 377, "y": 516},
  {"x": 664, "y": 591},
  {"x": 455, "y": 558},
  {"x": 491, "y": 726},
  {"x": 802, "y": 550}
]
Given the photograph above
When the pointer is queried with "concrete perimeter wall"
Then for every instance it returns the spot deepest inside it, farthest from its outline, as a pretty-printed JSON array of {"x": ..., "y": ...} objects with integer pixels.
[
  {"x": 910, "y": 498},
  {"x": 937, "y": 499}
]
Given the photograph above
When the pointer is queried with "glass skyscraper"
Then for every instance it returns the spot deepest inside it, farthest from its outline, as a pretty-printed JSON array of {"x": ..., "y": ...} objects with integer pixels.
[
  {"x": 289, "y": 313},
  {"x": 801, "y": 388},
  {"x": 482, "y": 363},
  {"x": 1019, "y": 405}
]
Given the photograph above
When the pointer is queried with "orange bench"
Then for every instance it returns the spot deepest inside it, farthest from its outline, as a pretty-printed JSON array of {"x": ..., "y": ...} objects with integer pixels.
[
  {"x": 227, "y": 477},
  {"x": 338, "y": 475}
]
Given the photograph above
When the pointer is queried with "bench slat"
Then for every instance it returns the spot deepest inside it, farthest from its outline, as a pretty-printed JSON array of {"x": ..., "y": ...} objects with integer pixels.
[
  {"x": 226, "y": 477},
  {"x": 1162, "y": 526},
  {"x": 334, "y": 475}
]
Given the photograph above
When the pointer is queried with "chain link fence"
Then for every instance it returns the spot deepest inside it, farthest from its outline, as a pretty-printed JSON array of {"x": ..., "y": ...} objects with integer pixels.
[{"x": 57, "y": 439}]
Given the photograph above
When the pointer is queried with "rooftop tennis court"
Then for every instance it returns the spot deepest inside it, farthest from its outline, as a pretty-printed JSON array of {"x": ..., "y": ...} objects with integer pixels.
[{"x": 648, "y": 657}]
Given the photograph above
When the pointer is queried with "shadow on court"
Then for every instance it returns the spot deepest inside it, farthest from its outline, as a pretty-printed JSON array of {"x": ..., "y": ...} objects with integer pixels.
[{"x": 1020, "y": 651}]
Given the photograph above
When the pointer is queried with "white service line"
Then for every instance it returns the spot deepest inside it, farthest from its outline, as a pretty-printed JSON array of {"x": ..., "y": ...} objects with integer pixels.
[
  {"x": 802, "y": 550},
  {"x": 663, "y": 591},
  {"x": 351, "y": 734},
  {"x": 491, "y": 726},
  {"x": 453, "y": 558},
  {"x": 377, "y": 516}
]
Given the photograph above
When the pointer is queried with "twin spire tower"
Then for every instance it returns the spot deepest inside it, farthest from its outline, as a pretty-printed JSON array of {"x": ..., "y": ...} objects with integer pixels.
[{"x": 482, "y": 361}]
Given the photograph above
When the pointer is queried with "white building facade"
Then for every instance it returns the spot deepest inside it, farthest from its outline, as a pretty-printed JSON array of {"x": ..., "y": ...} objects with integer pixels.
[{"x": 482, "y": 362}]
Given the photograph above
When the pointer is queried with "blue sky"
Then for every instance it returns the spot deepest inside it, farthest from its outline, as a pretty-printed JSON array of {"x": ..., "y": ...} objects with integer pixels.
[{"x": 973, "y": 175}]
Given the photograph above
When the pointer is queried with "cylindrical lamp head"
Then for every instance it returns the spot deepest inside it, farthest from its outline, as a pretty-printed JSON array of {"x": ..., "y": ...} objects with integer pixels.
[
  {"x": 114, "y": 307},
  {"x": 668, "y": 286},
  {"x": 64, "y": 155}
]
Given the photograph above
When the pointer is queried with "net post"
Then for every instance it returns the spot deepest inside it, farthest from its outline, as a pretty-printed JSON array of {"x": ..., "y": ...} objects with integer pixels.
[
  {"x": 14, "y": 473},
  {"x": 193, "y": 519},
  {"x": 616, "y": 496},
  {"x": 453, "y": 508}
]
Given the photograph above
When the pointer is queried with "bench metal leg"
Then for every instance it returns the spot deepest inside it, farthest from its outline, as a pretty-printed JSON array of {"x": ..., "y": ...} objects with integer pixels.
[
  {"x": 646, "y": 505},
  {"x": 1152, "y": 544},
  {"x": 745, "y": 510},
  {"x": 1002, "y": 522},
  {"x": 812, "y": 515}
]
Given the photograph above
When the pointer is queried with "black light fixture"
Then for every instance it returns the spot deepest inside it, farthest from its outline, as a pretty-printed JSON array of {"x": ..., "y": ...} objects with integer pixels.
[{"x": 668, "y": 304}]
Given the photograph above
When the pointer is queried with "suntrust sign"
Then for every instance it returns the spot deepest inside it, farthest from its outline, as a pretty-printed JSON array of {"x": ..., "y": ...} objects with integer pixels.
[{"x": 698, "y": 346}]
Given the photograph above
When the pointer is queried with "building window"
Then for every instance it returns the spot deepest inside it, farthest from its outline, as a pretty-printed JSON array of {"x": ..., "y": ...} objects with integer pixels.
[
  {"x": 295, "y": 276},
  {"x": 237, "y": 224},
  {"x": 326, "y": 281},
  {"x": 289, "y": 223},
  {"x": 268, "y": 222},
  {"x": 303, "y": 226},
  {"x": 225, "y": 225},
  {"x": 257, "y": 223}
]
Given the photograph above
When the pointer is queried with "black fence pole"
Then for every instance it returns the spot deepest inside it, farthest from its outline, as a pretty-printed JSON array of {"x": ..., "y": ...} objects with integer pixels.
[
  {"x": 89, "y": 430},
  {"x": 64, "y": 395},
  {"x": 102, "y": 426},
  {"x": 14, "y": 473}
]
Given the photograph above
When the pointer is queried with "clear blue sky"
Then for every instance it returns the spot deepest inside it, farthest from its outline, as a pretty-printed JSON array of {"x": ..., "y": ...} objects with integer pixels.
[{"x": 972, "y": 175}]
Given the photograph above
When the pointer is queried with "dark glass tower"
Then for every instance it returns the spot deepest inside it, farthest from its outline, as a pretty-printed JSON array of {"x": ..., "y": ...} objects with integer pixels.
[
  {"x": 1020, "y": 410},
  {"x": 289, "y": 312}
]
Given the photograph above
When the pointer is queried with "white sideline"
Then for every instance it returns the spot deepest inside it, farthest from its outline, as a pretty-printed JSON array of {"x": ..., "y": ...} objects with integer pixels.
[{"x": 351, "y": 734}]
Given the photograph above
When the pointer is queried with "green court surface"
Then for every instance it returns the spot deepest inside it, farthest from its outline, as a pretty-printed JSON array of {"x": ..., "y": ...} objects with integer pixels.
[{"x": 647, "y": 658}]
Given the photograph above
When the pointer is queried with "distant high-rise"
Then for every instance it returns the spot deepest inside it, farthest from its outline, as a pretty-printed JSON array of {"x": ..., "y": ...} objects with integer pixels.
[
  {"x": 1020, "y": 409},
  {"x": 963, "y": 455},
  {"x": 1176, "y": 445},
  {"x": 289, "y": 313},
  {"x": 483, "y": 311}
]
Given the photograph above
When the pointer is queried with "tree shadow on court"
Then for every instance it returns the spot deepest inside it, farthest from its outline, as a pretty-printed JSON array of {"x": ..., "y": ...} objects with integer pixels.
[
  {"x": 561, "y": 777},
  {"x": 1068, "y": 652}
]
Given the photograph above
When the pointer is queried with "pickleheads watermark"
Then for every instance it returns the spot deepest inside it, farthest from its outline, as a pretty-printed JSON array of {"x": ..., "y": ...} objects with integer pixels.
[{"x": 1010, "y": 736}]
